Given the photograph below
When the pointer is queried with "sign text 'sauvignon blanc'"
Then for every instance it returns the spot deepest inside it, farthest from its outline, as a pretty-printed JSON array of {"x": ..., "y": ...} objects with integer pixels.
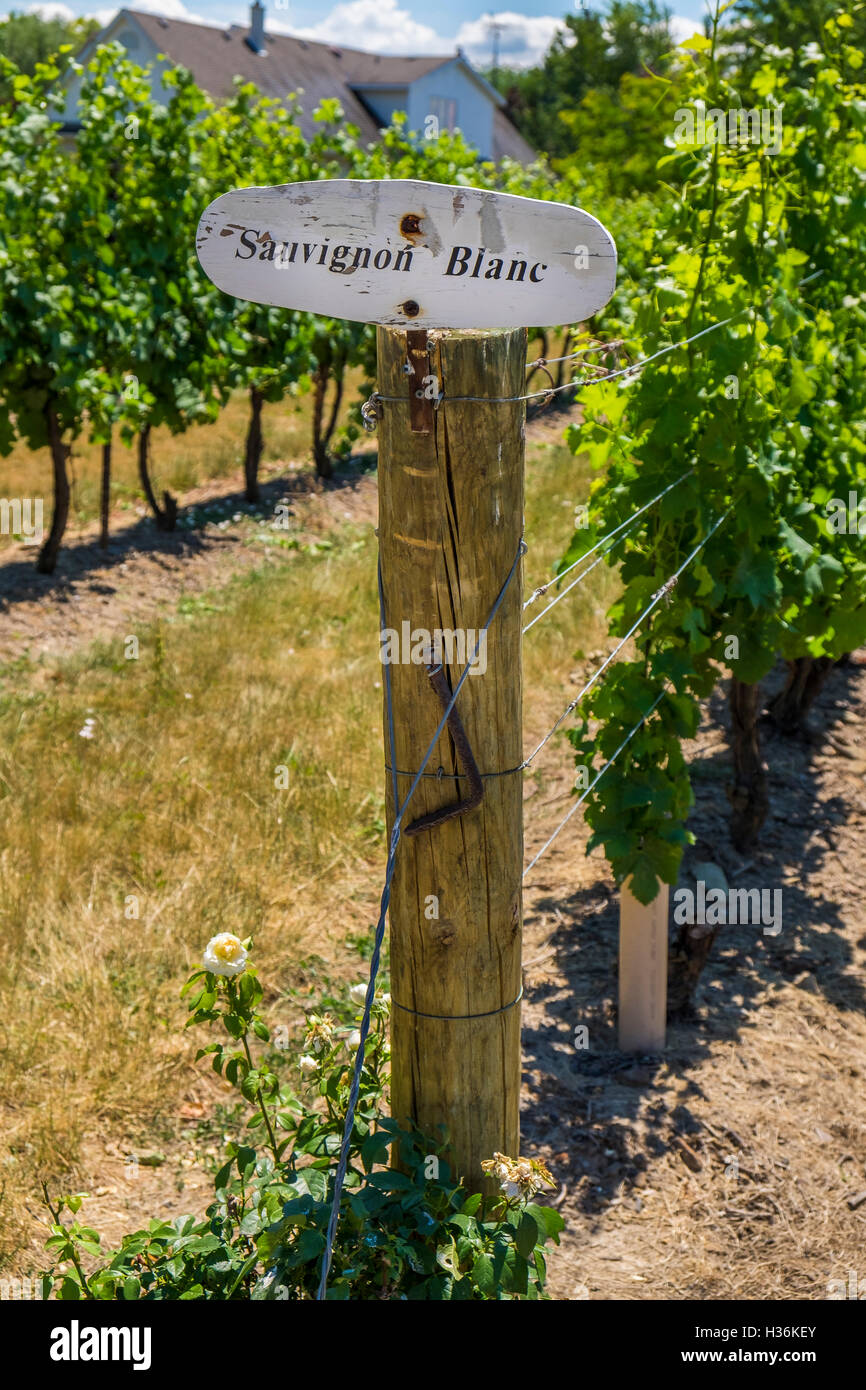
[
  {"x": 345, "y": 260},
  {"x": 401, "y": 252}
]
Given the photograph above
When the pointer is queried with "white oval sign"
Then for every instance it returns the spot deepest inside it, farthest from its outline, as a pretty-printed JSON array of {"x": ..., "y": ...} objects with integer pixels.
[{"x": 410, "y": 254}]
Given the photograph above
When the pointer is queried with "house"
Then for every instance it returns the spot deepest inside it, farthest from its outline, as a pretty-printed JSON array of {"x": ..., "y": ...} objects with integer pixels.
[{"x": 369, "y": 86}]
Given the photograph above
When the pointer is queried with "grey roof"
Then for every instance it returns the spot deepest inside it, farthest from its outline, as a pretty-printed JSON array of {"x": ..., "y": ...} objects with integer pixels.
[{"x": 216, "y": 56}]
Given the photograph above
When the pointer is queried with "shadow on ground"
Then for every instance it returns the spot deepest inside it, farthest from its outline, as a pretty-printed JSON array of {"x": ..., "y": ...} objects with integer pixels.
[{"x": 585, "y": 1102}]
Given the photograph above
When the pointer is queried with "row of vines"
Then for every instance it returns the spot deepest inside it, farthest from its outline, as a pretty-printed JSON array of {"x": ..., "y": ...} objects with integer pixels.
[
  {"x": 763, "y": 422},
  {"x": 108, "y": 324}
]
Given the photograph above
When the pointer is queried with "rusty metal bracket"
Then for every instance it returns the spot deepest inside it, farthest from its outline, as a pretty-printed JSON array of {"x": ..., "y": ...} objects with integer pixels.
[{"x": 437, "y": 679}]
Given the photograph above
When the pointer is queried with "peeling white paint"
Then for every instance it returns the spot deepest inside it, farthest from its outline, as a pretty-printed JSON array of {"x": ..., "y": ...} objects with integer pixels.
[{"x": 510, "y": 262}]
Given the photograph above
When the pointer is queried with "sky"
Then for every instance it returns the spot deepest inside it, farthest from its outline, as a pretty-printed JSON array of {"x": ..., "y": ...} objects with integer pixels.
[{"x": 384, "y": 26}]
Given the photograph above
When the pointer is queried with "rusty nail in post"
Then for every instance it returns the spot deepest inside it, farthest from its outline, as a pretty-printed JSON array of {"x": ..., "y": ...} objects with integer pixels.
[
  {"x": 410, "y": 224},
  {"x": 411, "y": 309}
]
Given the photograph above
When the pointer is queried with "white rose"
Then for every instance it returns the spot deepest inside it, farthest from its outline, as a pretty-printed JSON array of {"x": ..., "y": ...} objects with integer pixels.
[
  {"x": 358, "y": 994},
  {"x": 308, "y": 1063},
  {"x": 354, "y": 1039},
  {"x": 224, "y": 955}
]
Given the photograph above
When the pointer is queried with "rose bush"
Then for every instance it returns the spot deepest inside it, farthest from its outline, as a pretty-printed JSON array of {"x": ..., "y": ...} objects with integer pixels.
[{"x": 408, "y": 1232}]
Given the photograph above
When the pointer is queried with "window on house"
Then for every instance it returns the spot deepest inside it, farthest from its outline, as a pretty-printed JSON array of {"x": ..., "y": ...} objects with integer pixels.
[{"x": 445, "y": 111}]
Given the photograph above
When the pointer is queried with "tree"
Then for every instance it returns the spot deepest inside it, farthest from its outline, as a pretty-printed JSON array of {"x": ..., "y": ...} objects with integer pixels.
[
  {"x": 56, "y": 291},
  {"x": 28, "y": 40},
  {"x": 257, "y": 140},
  {"x": 617, "y": 137},
  {"x": 594, "y": 51}
]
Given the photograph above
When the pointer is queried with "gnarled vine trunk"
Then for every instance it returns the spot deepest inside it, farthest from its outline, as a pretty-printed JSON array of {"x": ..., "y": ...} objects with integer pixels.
[
  {"x": 686, "y": 961},
  {"x": 748, "y": 793},
  {"x": 59, "y": 456},
  {"x": 105, "y": 495},
  {"x": 322, "y": 432},
  {"x": 253, "y": 454},
  {"x": 165, "y": 515},
  {"x": 805, "y": 681}
]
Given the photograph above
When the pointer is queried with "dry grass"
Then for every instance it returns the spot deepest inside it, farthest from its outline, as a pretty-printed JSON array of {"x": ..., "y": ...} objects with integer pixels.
[{"x": 171, "y": 810}]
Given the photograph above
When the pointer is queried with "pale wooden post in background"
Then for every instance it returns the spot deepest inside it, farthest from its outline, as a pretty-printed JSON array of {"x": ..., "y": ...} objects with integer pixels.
[
  {"x": 643, "y": 971},
  {"x": 450, "y": 524}
]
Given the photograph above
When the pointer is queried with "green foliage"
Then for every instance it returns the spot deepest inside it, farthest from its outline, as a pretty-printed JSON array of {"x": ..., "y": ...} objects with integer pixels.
[
  {"x": 765, "y": 414},
  {"x": 48, "y": 355},
  {"x": 753, "y": 26},
  {"x": 617, "y": 138},
  {"x": 594, "y": 52},
  {"x": 28, "y": 40},
  {"x": 405, "y": 1232}
]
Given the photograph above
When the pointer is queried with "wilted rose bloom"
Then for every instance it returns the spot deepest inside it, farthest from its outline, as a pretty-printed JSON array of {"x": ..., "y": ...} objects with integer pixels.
[
  {"x": 224, "y": 955},
  {"x": 320, "y": 1032},
  {"x": 308, "y": 1063},
  {"x": 358, "y": 993},
  {"x": 521, "y": 1177}
]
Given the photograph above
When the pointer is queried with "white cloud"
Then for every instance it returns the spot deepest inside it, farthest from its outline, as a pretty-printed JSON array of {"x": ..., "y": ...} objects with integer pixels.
[
  {"x": 683, "y": 28},
  {"x": 523, "y": 40},
  {"x": 51, "y": 11},
  {"x": 174, "y": 9},
  {"x": 383, "y": 26},
  {"x": 378, "y": 26},
  {"x": 169, "y": 9}
]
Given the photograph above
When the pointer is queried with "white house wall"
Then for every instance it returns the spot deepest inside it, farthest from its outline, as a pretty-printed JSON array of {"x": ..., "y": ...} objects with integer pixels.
[{"x": 474, "y": 106}]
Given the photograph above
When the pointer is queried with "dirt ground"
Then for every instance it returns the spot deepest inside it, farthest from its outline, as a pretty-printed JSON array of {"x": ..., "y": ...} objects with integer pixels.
[
  {"x": 727, "y": 1167},
  {"x": 95, "y": 595}
]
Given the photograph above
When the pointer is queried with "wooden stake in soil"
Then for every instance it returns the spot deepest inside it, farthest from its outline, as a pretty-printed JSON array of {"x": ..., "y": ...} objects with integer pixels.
[
  {"x": 643, "y": 971},
  {"x": 450, "y": 524}
]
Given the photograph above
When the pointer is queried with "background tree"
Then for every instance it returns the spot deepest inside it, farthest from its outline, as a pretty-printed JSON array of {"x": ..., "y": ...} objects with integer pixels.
[
  {"x": 28, "y": 39},
  {"x": 594, "y": 51}
]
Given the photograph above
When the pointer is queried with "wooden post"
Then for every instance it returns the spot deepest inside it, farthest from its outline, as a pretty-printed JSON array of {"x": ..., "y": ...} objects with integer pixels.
[
  {"x": 450, "y": 523},
  {"x": 643, "y": 971}
]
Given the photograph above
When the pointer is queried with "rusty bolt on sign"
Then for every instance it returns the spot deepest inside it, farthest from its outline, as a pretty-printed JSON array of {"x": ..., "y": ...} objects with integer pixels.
[{"x": 411, "y": 224}]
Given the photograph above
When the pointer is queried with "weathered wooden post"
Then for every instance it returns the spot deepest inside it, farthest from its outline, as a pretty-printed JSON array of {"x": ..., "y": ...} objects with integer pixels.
[
  {"x": 427, "y": 261},
  {"x": 450, "y": 524}
]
